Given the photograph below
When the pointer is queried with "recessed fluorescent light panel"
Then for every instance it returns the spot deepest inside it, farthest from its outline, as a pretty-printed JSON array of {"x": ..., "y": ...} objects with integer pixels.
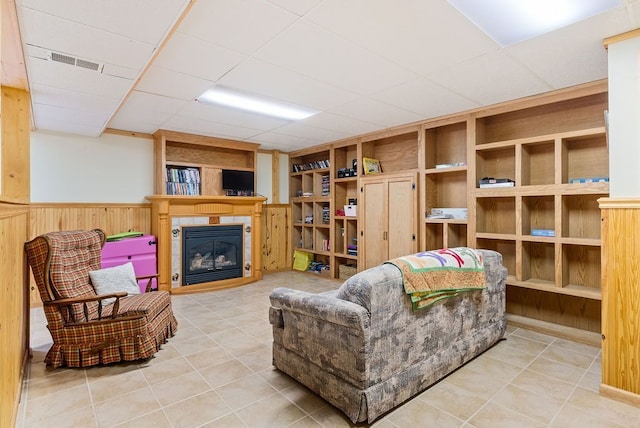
[
  {"x": 513, "y": 21},
  {"x": 231, "y": 98}
]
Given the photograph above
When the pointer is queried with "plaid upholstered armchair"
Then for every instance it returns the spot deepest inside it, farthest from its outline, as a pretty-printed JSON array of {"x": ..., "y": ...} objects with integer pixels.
[{"x": 85, "y": 329}]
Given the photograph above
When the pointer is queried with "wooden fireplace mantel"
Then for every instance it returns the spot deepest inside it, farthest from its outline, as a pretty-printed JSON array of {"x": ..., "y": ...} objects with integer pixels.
[{"x": 163, "y": 208}]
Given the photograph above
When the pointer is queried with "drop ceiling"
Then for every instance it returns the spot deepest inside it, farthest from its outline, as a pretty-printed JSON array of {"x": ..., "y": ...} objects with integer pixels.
[{"x": 365, "y": 65}]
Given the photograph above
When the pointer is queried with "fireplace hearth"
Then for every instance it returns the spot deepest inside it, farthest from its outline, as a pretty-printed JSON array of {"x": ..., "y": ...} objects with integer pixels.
[{"x": 211, "y": 253}]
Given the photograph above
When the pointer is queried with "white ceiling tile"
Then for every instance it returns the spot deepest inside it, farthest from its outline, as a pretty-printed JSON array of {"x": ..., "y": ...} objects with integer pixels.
[
  {"x": 160, "y": 81},
  {"x": 133, "y": 124},
  {"x": 62, "y": 114},
  {"x": 195, "y": 57},
  {"x": 299, "y": 7},
  {"x": 70, "y": 99},
  {"x": 490, "y": 79},
  {"x": 231, "y": 116},
  {"x": 284, "y": 143},
  {"x": 241, "y": 25},
  {"x": 261, "y": 78},
  {"x": 63, "y": 76},
  {"x": 425, "y": 98},
  {"x": 147, "y": 108},
  {"x": 573, "y": 54},
  {"x": 343, "y": 124},
  {"x": 208, "y": 127},
  {"x": 88, "y": 43},
  {"x": 302, "y": 130},
  {"x": 143, "y": 20},
  {"x": 326, "y": 57},
  {"x": 423, "y": 36},
  {"x": 370, "y": 110}
]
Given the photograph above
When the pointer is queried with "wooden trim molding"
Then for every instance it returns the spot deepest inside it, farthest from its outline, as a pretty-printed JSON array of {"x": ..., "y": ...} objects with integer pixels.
[
  {"x": 621, "y": 37},
  {"x": 619, "y": 203}
]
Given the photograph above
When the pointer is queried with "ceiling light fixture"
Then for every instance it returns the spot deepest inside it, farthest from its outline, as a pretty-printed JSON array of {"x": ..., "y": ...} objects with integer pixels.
[
  {"x": 509, "y": 22},
  {"x": 231, "y": 98}
]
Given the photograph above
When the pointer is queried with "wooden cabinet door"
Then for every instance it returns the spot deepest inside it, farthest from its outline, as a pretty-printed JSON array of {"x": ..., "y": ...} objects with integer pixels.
[
  {"x": 388, "y": 215},
  {"x": 401, "y": 207},
  {"x": 372, "y": 242}
]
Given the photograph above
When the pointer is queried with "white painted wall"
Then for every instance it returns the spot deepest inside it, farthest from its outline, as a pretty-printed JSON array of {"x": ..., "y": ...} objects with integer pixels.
[
  {"x": 284, "y": 178},
  {"x": 110, "y": 168},
  {"x": 264, "y": 176},
  {"x": 624, "y": 118}
]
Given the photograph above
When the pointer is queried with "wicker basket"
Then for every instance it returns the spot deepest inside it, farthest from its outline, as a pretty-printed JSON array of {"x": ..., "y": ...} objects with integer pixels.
[{"x": 346, "y": 271}]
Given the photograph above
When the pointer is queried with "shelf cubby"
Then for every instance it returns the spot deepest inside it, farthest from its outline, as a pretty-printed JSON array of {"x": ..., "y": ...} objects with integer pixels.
[
  {"x": 496, "y": 215},
  {"x": 581, "y": 216},
  {"x": 346, "y": 157},
  {"x": 581, "y": 266},
  {"x": 538, "y": 262},
  {"x": 396, "y": 153},
  {"x": 322, "y": 240},
  {"x": 562, "y": 116},
  {"x": 445, "y": 234},
  {"x": 538, "y": 212},
  {"x": 537, "y": 163},
  {"x": 445, "y": 145},
  {"x": 585, "y": 156},
  {"x": 446, "y": 190},
  {"x": 503, "y": 246},
  {"x": 496, "y": 162}
]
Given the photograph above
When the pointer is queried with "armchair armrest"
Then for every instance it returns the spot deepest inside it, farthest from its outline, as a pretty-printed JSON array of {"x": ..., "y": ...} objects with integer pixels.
[
  {"x": 150, "y": 282},
  {"x": 83, "y": 300},
  {"x": 319, "y": 306}
]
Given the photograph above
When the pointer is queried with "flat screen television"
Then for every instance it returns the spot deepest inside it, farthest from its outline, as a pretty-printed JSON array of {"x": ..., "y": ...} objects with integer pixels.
[{"x": 237, "y": 183}]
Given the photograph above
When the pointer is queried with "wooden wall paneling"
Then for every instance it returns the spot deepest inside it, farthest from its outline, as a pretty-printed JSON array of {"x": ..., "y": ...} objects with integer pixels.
[
  {"x": 620, "y": 299},
  {"x": 276, "y": 242},
  {"x": 15, "y": 150},
  {"x": 112, "y": 218},
  {"x": 14, "y": 310}
]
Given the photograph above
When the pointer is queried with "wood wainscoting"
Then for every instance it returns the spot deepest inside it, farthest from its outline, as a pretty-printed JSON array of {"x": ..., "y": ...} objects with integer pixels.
[
  {"x": 621, "y": 299},
  {"x": 276, "y": 245},
  {"x": 112, "y": 218},
  {"x": 14, "y": 309}
]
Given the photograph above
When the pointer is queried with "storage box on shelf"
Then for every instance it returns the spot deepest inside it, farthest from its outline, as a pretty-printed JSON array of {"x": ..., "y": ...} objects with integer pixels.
[{"x": 203, "y": 157}]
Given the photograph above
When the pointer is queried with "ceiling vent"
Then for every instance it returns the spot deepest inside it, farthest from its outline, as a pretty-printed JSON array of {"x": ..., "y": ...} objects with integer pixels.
[{"x": 66, "y": 59}]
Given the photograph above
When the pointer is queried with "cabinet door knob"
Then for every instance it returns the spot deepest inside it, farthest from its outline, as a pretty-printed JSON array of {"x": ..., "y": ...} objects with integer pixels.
[{"x": 152, "y": 242}]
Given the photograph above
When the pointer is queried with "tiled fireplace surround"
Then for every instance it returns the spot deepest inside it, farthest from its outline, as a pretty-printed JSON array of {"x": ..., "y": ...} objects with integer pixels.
[
  {"x": 171, "y": 214},
  {"x": 177, "y": 225}
]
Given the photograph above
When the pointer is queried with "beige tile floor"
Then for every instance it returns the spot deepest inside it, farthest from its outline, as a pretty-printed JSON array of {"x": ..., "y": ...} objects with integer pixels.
[{"x": 216, "y": 372}]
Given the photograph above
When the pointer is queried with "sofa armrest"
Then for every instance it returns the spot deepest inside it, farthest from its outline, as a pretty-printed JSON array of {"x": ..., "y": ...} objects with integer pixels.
[{"x": 324, "y": 307}]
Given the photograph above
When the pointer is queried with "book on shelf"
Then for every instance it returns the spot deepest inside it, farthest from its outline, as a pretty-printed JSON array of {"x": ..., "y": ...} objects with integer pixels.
[
  {"x": 309, "y": 166},
  {"x": 589, "y": 180},
  {"x": 543, "y": 232},
  {"x": 183, "y": 181}
]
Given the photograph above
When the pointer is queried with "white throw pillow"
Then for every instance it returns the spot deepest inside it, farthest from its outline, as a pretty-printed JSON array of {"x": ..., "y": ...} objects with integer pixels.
[{"x": 114, "y": 279}]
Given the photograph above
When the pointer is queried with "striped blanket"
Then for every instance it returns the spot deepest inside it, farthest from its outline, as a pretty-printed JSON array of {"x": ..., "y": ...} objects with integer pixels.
[{"x": 431, "y": 276}]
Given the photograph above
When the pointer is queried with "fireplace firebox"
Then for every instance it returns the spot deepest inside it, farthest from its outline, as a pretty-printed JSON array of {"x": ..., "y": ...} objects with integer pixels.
[{"x": 211, "y": 253}]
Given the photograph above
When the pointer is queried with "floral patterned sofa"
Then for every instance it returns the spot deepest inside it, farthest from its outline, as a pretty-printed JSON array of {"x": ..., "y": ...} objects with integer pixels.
[{"x": 365, "y": 350}]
